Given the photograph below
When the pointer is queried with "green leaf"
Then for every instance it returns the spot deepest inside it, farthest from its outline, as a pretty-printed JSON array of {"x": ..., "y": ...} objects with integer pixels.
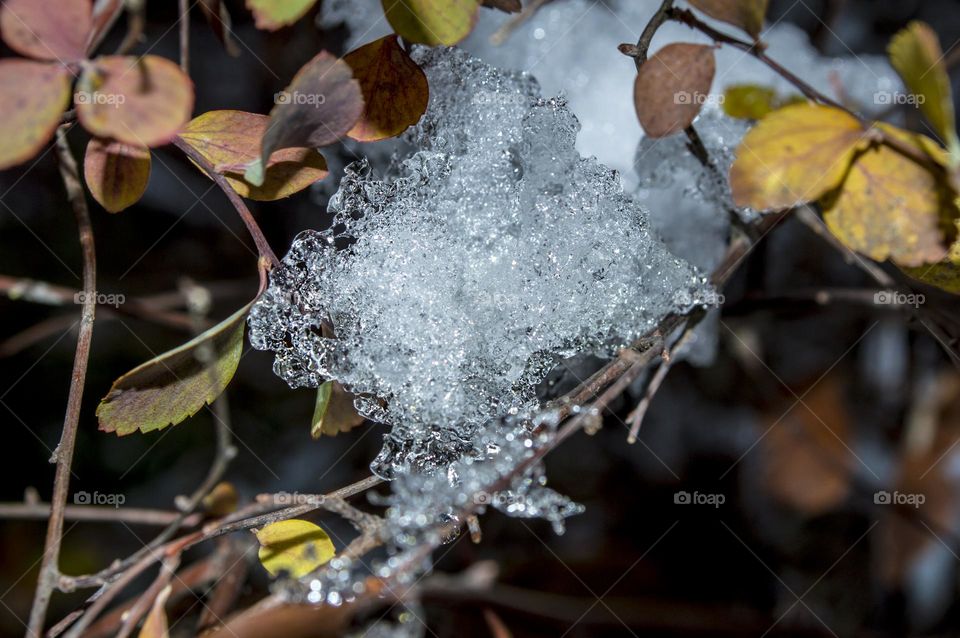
[
  {"x": 916, "y": 55},
  {"x": 294, "y": 547},
  {"x": 175, "y": 385},
  {"x": 749, "y": 101},
  {"x": 334, "y": 411},
  {"x": 432, "y": 22},
  {"x": 275, "y": 14}
]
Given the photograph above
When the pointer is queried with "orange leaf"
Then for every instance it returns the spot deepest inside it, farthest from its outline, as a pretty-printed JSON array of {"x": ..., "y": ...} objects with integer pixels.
[
  {"x": 33, "y": 96},
  {"x": 116, "y": 173},
  {"x": 140, "y": 101},
  {"x": 671, "y": 87},
  {"x": 231, "y": 139},
  {"x": 395, "y": 90},
  {"x": 46, "y": 30}
]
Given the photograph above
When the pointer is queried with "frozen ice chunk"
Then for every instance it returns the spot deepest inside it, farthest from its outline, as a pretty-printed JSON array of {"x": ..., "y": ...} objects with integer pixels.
[{"x": 453, "y": 286}]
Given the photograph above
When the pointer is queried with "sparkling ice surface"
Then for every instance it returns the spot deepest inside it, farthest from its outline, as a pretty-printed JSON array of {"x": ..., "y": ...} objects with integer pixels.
[{"x": 455, "y": 284}]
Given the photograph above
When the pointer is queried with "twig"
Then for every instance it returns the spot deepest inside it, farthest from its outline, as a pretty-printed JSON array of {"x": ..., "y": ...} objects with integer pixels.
[
  {"x": 95, "y": 514},
  {"x": 136, "y": 21},
  {"x": 500, "y": 35},
  {"x": 646, "y": 37},
  {"x": 63, "y": 455},
  {"x": 184, "y": 35},
  {"x": 263, "y": 247},
  {"x": 635, "y": 418}
]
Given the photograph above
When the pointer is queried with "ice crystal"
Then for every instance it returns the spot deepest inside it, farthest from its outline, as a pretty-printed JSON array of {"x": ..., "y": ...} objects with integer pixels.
[{"x": 453, "y": 286}]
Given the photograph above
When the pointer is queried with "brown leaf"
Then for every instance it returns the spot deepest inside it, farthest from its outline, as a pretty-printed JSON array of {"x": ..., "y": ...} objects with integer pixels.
[
  {"x": 746, "y": 14},
  {"x": 509, "y": 6},
  {"x": 318, "y": 108},
  {"x": 33, "y": 96},
  {"x": 395, "y": 90},
  {"x": 229, "y": 140},
  {"x": 40, "y": 30},
  {"x": 116, "y": 173},
  {"x": 671, "y": 87},
  {"x": 334, "y": 411},
  {"x": 808, "y": 463},
  {"x": 141, "y": 101}
]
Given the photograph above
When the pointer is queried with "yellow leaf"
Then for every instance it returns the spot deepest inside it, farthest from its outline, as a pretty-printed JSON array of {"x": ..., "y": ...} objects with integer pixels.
[
  {"x": 916, "y": 55},
  {"x": 293, "y": 547},
  {"x": 890, "y": 207},
  {"x": 156, "y": 626},
  {"x": 746, "y": 14},
  {"x": 334, "y": 411},
  {"x": 795, "y": 155}
]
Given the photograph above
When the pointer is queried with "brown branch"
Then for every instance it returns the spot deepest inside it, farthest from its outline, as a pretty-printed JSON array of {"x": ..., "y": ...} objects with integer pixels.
[
  {"x": 63, "y": 455},
  {"x": 646, "y": 38}
]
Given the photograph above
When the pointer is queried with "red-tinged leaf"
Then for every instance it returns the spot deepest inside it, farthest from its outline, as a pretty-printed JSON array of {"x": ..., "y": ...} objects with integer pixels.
[
  {"x": 229, "y": 140},
  {"x": 318, "y": 108},
  {"x": 140, "y": 101},
  {"x": 116, "y": 173},
  {"x": 46, "y": 30},
  {"x": 33, "y": 96},
  {"x": 220, "y": 23},
  {"x": 275, "y": 14},
  {"x": 432, "y": 22},
  {"x": 105, "y": 14},
  {"x": 672, "y": 86},
  {"x": 395, "y": 90}
]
